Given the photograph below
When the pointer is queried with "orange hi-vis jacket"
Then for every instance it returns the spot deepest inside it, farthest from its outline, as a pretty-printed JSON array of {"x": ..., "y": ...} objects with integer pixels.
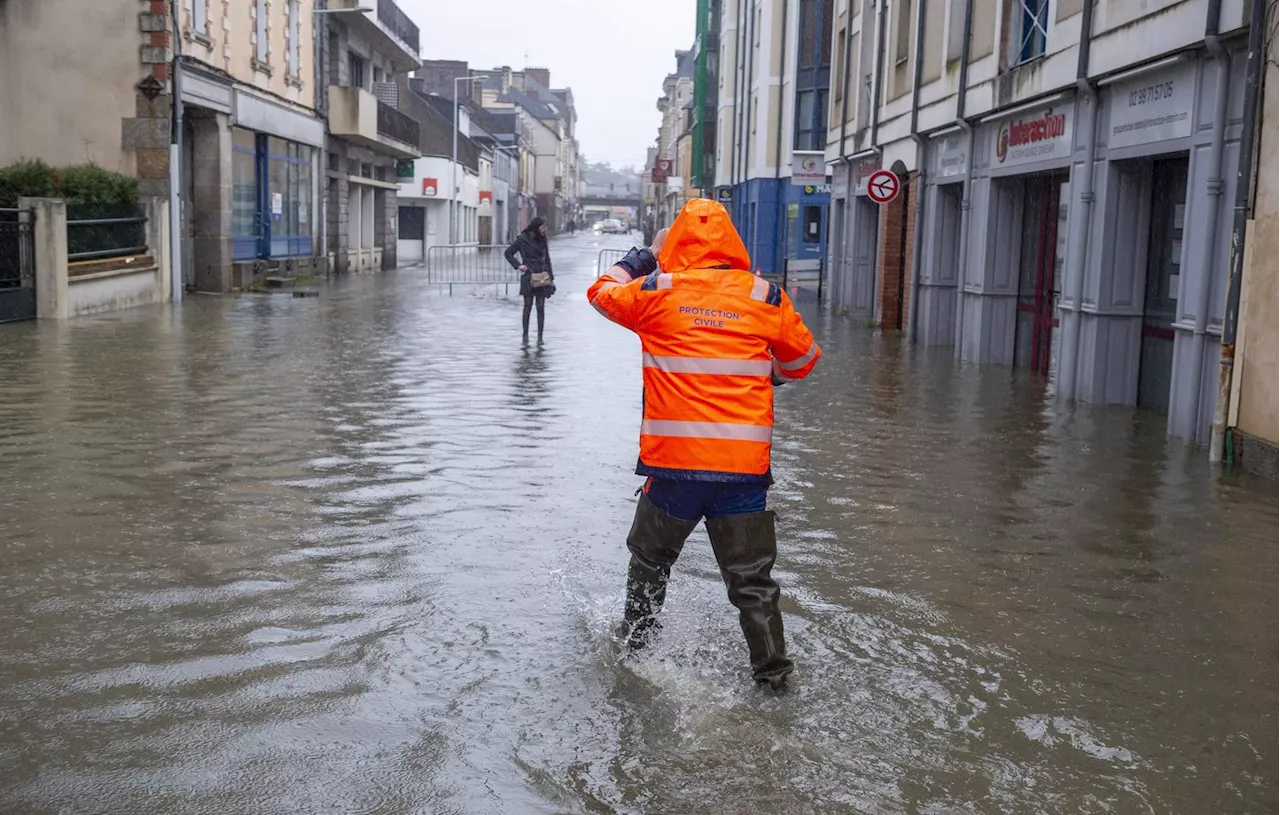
[{"x": 715, "y": 337}]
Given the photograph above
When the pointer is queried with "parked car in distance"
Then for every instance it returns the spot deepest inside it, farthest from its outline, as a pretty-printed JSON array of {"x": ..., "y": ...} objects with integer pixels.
[{"x": 611, "y": 226}]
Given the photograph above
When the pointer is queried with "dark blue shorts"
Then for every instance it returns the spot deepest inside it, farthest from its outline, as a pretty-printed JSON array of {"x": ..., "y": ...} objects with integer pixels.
[{"x": 693, "y": 500}]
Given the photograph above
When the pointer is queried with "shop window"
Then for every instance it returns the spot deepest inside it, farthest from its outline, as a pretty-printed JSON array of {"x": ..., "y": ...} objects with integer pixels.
[
  {"x": 271, "y": 208},
  {"x": 412, "y": 223},
  {"x": 812, "y": 224},
  {"x": 289, "y": 167},
  {"x": 1031, "y": 22},
  {"x": 244, "y": 194}
]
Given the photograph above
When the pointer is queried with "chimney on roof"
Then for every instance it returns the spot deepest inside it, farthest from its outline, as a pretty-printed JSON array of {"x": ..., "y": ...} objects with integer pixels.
[{"x": 540, "y": 75}]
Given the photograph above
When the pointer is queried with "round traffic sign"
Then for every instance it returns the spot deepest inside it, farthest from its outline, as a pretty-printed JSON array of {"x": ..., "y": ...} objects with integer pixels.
[{"x": 882, "y": 186}]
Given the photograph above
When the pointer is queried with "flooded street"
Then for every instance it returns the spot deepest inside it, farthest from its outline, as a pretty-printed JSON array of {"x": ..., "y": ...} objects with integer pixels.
[{"x": 363, "y": 553}]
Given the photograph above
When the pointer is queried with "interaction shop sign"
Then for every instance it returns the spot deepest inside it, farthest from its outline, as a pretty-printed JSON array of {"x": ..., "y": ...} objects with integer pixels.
[
  {"x": 808, "y": 167},
  {"x": 1148, "y": 109},
  {"x": 1037, "y": 137}
]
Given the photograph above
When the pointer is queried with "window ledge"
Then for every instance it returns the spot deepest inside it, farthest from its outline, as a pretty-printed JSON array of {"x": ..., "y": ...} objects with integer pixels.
[
  {"x": 294, "y": 81},
  {"x": 261, "y": 67},
  {"x": 201, "y": 39}
]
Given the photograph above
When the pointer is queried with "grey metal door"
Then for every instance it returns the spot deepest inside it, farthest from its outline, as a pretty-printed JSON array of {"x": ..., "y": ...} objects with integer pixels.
[
  {"x": 17, "y": 266},
  {"x": 865, "y": 243},
  {"x": 836, "y": 262},
  {"x": 1164, "y": 257}
]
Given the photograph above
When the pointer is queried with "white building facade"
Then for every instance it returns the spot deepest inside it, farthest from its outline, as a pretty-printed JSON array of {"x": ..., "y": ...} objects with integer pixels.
[{"x": 1068, "y": 212}]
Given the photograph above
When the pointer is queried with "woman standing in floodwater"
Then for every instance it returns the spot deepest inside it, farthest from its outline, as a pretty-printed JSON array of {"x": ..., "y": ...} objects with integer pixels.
[{"x": 537, "y": 280}]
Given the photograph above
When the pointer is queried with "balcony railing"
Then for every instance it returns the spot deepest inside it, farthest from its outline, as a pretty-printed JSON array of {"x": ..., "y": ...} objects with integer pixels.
[
  {"x": 396, "y": 125},
  {"x": 398, "y": 23}
]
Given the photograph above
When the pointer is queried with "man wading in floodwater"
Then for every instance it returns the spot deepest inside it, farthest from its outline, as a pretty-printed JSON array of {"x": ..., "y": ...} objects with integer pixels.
[{"x": 716, "y": 339}]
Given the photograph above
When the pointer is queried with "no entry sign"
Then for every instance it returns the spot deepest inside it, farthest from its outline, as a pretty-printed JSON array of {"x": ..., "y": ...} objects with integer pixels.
[{"x": 882, "y": 186}]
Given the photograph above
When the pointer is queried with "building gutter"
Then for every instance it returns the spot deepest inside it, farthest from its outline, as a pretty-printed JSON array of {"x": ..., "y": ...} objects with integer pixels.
[
  {"x": 918, "y": 238},
  {"x": 848, "y": 61},
  {"x": 320, "y": 36},
  {"x": 745, "y": 163},
  {"x": 1217, "y": 187},
  {"x": 737, "y": 92},
  {"x": 176, "y": 237},
  {"x": 962, "y": 99},
  {"x": 877, "y": 88},
  {"x": 1231, "y": 317},
  {"x": 777, "y": 147},
  {"x": 1079, "y": 248}
]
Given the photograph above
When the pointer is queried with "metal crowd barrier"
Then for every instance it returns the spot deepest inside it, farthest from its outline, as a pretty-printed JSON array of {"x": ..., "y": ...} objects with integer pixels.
[
  {"x": 470, "y": 264},
  {"x": 606, "y": 259}
]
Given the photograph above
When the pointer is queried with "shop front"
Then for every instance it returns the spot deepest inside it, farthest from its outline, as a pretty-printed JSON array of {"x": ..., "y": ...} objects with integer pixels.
[
  {"x": 250, "y": 184},
  {"x": 272, "y": 198},
  {"x": 947, "y": 159},
  {"x": 855, "y": 231},
  {"x": 1159, "y": 234},
  {"x": 1018, "y": 238},
  {"x": 805, "y": 232}
]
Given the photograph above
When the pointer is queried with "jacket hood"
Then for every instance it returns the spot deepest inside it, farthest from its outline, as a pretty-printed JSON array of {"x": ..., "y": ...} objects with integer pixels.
[{"x": 703, "y": 237}]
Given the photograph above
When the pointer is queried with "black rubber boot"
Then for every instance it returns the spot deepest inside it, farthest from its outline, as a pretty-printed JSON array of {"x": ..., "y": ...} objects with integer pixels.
[
  {"x": 655, "y": 541},
  {"x": 746, "y": 547}
]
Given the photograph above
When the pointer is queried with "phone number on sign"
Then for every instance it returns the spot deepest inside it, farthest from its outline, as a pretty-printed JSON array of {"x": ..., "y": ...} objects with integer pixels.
[{"x": 1151, "y": 93}]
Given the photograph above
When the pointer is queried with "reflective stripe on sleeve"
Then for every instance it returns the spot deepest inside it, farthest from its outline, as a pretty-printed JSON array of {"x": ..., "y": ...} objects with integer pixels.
[
  {"x": 701, "y": 365},
  {"x": 801, "y": 361},
  {"x": 707, "y": 430},
  {"x": 759, "y": 289}
]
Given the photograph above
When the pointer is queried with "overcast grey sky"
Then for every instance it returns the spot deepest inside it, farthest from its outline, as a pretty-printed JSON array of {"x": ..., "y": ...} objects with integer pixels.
[{"x": 613, "y": 53}]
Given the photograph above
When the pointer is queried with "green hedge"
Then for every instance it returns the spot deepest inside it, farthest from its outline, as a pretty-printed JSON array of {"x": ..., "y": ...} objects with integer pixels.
[{"x": 78, "y": 184}]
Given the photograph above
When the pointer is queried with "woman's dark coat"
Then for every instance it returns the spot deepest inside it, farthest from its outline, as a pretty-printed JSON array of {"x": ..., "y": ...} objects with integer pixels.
[{"x": 534, "y": 254}]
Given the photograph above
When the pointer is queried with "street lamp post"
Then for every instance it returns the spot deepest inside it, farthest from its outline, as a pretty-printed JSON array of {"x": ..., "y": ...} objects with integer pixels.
[{"x": 453, "y": 164}]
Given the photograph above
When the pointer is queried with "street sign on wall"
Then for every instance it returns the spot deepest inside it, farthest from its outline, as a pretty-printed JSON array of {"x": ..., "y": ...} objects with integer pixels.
[
  {"x": 1040, "y": 136},
  {"x": 808, "y": 167},
  {"x": 724, "y": 194},
  {"x": 882, "y": 186},
  {"x": 661, "y": 171},
  {"x": 429, "y": 187},
  {"x": 1154, "y": 108}
]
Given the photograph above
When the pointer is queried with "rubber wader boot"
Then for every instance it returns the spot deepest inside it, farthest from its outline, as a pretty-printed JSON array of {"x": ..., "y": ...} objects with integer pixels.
[
  {"x": 746, "y": 547},
  {"x": 655, "y": 542}
]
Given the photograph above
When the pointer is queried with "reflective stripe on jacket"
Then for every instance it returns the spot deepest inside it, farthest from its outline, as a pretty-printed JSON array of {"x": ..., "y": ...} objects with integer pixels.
[{"x": 713, "y": 339}]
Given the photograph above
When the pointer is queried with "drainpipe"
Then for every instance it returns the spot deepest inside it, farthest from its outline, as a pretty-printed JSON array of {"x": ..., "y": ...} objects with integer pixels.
[
  {"x": 876, "y": 87},
  {"x": 175, "y": 163},
  {"x": 737, "y": 108},
  {"x": 1244, "y": 169},
  {"x": 961, "y": 100},
  {"x": 1217, "y": 186},
  {"x": 1076, "y": 254},
  {"x": 848, "y": 60},
  {"x": 918, "y": 239},
  {"x": 777, "y": 147},
  {"x": 744, "y": 93},
  {"x": 320, "y": 37},
  {"x": 745, "y": 163}
]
